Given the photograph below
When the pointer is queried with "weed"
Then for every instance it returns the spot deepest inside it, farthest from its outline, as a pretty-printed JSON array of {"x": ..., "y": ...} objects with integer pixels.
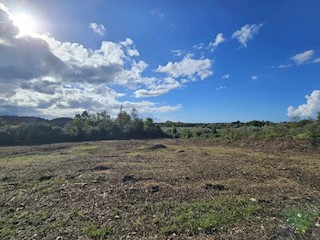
[
  {"x": 98, "y": 233},
  {"x": 301, "y": 219}
]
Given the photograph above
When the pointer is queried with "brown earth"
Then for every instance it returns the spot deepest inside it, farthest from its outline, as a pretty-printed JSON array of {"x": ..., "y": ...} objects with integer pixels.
[{"x": 159, "y": 189}]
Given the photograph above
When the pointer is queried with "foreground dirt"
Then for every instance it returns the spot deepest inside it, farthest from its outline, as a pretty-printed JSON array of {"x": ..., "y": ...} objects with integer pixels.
[{"x": 158, "y": 189}]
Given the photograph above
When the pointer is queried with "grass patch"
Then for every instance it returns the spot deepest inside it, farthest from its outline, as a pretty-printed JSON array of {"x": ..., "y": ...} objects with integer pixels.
[
  {"x": 21, "y": 159},
  {"x": 301, "y": 219},
  {"x": 85, "y": 147},
  {"x": 7, "y": 233},
  {"x": 98, "y": 233},
  {"x": 136, "y": 153},
  {"x": 209, "y": 216}
]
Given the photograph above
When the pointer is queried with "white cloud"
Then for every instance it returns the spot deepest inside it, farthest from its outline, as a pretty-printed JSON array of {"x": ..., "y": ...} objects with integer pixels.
[
  {"x": 127, "y": 43},
  {"x": 308, "y": 109},
  {"x": 285, "y": 65},
  {"x": 219, "y": 39},
  {"x": 246, "y": 33},
  {"x": 301, "y": 58},
  {"x": 164, "y": 109},
  {"x": 254, "y": 77},
  {"x": 178, "y": 52},
  {"x": 188, "y": 67},
  {"x": 159, "y": 88},
  {"x": 317, "y": 60},
  {"x": 75, "y": 54},
  {"x": 220, "y": 88},
  {"x": 226, "y": 76},
  {"x": 97, "y": 28},
  {"x": 133, "y": 53},
  {"x": 3, "y": 7},
  {"x": 199, "y": 46}
]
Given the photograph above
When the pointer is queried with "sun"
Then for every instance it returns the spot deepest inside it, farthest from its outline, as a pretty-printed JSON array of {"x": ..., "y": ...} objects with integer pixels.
[{"x": 26, "y": 24}]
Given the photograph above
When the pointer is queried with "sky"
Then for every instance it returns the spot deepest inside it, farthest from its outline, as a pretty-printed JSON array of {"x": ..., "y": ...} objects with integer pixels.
[{"x": 177, "y": 60}]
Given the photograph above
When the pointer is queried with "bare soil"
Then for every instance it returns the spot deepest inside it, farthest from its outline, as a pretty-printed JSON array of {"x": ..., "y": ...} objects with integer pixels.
[{"x": 159, "y": 189}]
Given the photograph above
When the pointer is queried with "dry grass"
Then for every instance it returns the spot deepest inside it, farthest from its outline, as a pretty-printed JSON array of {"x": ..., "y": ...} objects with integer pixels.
[{"x": 78, "y": 191}]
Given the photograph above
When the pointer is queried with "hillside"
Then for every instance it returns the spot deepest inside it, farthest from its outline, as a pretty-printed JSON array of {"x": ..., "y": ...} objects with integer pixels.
[{"x": 16, "y": 120}]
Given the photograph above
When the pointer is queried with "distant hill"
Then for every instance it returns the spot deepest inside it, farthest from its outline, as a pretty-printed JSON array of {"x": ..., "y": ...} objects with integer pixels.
[
  {"x": 16, "y": 120},
  {"x": 61, "y": 122}
]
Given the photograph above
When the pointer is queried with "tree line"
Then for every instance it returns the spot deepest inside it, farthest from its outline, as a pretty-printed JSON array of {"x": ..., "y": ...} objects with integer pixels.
[
  {"x": 83, "y": 127},
  {"x": 304, "y": 130}
]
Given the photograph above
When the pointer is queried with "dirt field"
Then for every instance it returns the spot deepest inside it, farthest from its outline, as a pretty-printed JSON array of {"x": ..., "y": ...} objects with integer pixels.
[{"x": 158, "y": 189}]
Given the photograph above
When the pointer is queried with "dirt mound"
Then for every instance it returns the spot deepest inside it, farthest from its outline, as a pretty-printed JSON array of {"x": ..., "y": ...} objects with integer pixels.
[
  {"x": 100, "y": 168},
  {"x": 155, "y": 189},
  {"x": 45, "y": 178},
  {"x": 218, "y": 187},
  {"x": 156, "y": 147},
  {"x": 128, "y": 178}
]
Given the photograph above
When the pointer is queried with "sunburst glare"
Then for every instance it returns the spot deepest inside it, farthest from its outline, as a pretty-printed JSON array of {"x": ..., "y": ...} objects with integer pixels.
[{"x": 26, "y": 24}]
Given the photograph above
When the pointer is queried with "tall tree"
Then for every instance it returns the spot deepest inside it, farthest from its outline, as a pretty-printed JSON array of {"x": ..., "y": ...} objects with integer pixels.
[{"x": 123, "y": 121}]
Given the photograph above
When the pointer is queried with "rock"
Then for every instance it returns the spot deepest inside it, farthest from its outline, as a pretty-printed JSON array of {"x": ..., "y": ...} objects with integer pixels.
[
  {"x": 45, "y": 177},
  {"x": 218, "y": 187}
]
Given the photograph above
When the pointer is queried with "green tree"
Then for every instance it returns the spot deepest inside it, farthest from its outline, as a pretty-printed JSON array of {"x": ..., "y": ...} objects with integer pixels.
[
  {"x": 80, "y": 126},
  {"x": 136, "y": 124},
  {"x": 103, "y": 125},
  {"x": 151, "y": 129},
  {"x": 123, "y": 121},
  {"x": 149, "y": 125}
]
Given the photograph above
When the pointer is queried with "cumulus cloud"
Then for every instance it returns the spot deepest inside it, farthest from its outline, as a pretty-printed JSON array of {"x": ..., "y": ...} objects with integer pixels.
[
  {"x": 97, "y": 28},
  {"x": 254, "y": 77},
  {"x": 246, "y": 33},
  {"x": 303, "y": 57},
  {"x": 317, "y": 60},
  {"x": 42, "y": 75},
  {"x": 159, "y": 88},
  {"x": 188, "y": 67},
  {"x": 219, "y": 39},
  {"x": 308, "y": 109},
  {"x": 226, "y": 76},
  {"x": 127, "y": 43},
  {"x": 133, "y": 53},
  {"x": 7, "y": 28}
]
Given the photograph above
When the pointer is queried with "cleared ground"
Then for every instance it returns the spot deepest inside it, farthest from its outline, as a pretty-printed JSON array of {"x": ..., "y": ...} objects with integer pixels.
[{"x": 158, "y": 189}]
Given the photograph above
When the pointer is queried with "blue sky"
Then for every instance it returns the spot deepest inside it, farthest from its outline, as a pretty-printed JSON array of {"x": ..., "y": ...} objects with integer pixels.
[{"x": 190, "y": 61}]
